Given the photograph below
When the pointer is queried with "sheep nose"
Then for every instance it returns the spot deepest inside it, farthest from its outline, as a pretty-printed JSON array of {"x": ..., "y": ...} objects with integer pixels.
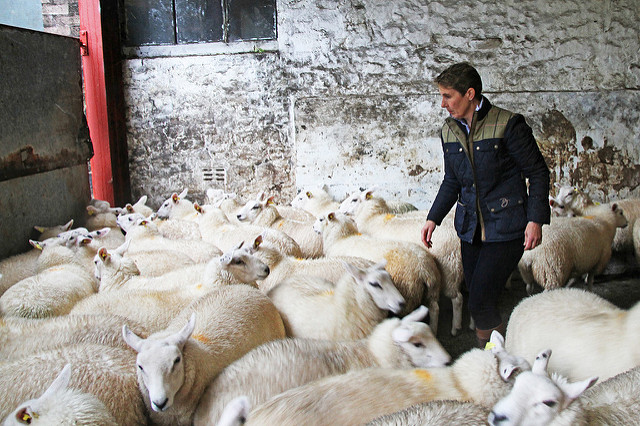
[
  {"x": 495, "y": 419},
  {"x": 401, "y": 306},
  {"x": 160, "y": 406}
]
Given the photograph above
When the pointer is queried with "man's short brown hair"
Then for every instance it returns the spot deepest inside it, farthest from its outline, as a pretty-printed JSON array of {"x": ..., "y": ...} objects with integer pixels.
[{"x": 461, "y": 77}]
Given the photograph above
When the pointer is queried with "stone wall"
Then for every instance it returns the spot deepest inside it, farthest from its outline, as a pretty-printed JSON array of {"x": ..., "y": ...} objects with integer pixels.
[
  {"x": 61, "y": 17},
  {"x": 347, "y": 98}
]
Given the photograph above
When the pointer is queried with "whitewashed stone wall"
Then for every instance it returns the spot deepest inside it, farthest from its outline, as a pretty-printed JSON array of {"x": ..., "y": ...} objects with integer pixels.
[{"x": 348, "y": 100}]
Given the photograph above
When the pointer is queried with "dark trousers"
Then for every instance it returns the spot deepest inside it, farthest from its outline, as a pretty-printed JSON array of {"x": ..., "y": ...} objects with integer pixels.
[{"x": 487, "y": 266}]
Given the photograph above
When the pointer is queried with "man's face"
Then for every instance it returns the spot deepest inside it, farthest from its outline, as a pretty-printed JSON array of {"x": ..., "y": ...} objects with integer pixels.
[{"x": 458, "y": 105}]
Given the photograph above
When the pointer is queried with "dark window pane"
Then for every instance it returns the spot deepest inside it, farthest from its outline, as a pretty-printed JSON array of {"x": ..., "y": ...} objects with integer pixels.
[
  {"x": 252, "y": 19},
  {"x": 148, "y": 22},
  {"x": 198, "y": 20}
]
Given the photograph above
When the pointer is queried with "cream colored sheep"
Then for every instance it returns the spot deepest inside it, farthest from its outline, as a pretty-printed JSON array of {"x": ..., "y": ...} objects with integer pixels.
[
  {"x": 59, "y": 405},
  {"x": 413, "y": 270},
  {"x": 237, "y": 265},
  {"x": 225, "y": 201},
  {"x": 139, "y": 206},
  {"x": 144, "y": 236},
  {"x": 316, "y": 201},
  {"x": 540, "y": 399},
  {"x": 623, "y": 240},
  {"x": 52, "y": 291},
  {"x": 103, "y": 371},
  {"x": 358, "y": 397},
  {"x": 569, "y": 201},
  {"x": 572, "y": 247},
  {"x": 282, "y": 266},
  {"x": 373, "y": 216},
  {"x": 263, "y": 212},
  {"x": 435, "y": 413},
  {"x": 312, "y": 307},
  {"x": 21, "y": 337},
  {"x": 351, "y": 202},
  {"x": 175, "y": 365},
  {"x": 283, "y": 364},
  {"x": 217, "y": 229},
  {"x": 588, "y": 335}
]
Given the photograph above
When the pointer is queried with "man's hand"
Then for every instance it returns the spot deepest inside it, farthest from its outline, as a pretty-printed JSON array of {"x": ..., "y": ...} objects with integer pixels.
[
  {"x": 427, "y": 231},
  {"x": 532, "y": 235}
]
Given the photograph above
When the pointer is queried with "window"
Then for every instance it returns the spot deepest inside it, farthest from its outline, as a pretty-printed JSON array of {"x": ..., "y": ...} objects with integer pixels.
[{"x": 177, "y": 22}]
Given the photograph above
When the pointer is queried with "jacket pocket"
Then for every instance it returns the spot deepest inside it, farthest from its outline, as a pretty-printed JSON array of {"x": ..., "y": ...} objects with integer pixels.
[
  {"x": 508, "y": 214},
  {"x": 460, "y": 222}
]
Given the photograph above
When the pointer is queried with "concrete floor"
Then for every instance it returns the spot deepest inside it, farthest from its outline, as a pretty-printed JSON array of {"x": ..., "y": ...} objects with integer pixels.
[{"x": 619, "y": 283}]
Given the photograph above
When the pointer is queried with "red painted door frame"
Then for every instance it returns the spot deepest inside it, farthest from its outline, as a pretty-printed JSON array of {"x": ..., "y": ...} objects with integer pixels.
[{"x": 104, "y": 100}]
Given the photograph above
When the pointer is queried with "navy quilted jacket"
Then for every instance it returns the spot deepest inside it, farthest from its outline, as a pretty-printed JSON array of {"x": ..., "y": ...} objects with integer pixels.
[{"x": 485, "y": 171}]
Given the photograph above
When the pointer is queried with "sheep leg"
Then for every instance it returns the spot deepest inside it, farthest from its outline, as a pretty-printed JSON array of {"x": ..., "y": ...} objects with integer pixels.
[
  {"x": 456, "y": 322},
  {"x": 589, "y": 280},
  {"x": 434, "y": 311},
  {"x": 472, "y": 324}
]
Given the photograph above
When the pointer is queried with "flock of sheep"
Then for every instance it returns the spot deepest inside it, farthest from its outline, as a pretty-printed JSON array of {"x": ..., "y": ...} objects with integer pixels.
[{"x": 312, "y": 312}]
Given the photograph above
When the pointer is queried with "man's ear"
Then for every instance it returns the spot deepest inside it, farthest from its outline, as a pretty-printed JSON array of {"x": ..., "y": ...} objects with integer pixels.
[{"x": 471, "y": 93}]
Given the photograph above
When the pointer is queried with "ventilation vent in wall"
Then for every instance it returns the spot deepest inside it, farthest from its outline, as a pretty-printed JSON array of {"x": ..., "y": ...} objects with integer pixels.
[{"x": 215, "y": 174}]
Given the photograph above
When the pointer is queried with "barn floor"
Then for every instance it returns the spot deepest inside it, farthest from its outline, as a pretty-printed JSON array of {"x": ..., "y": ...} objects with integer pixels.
[{"x": 619, "y": 283}]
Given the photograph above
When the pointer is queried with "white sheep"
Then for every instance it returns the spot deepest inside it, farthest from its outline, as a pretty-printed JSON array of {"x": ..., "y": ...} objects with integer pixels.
[
  {"x": 139, "y": 206},
  {"x": 263, "y": 212},
  {"x": 20, "y": 337},
  {"x": 225, "y": 201},
  {"x": 413, "y": 270},
  {"x": 569, "y": 201},
  {"x": 144, "y": 235},
  {"x": 313, "y": 307},
  {"x": 374, "y": 216},
  {"x": 572, "y": 247},
  {"x": 176, "y": 364},
  {"x": 237, "y": 265},
  {"x": 176, "y": 217},
  {"x": 538, "y": 399},
  {"x": 220, "y": 231},
  {"x": 52, "y": 291},
  {"x": 360, "y": 396},
  {"x": 283, "y": 364},
  {"x": 350, "y": 204},
  {"x": 588, "y": 335},
  {"x": 103, "y": 371},
  {"x": 434, "y": 413},
  {"x": 286, "y": 211},
  {"x": 59, "y": 405},
  {"x": 282, "y": 266},
  {"x": 316, "y": 201},
  {"x": 177, "y": 207}
]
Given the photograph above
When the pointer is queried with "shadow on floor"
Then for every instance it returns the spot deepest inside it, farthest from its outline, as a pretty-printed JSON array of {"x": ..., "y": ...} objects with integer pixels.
[{"x": 619, "y": 284}]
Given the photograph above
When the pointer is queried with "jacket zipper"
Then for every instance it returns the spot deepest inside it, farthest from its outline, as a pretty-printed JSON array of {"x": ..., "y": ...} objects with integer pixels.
[{"x": 473, "y": 170}]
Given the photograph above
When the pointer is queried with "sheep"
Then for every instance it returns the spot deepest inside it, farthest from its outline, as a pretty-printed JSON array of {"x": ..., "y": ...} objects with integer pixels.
[
  {"x": 542, "y": 399},
  {"x": 350, "y": 203},
  {"x": 144, "y": 235},
  {"x": 286, "y": 211},
  {"x": 282, "y": 266},
  {"x": 52, "y": 231},
  {"x": 588, "y": 335},
  {"x": 227, "y": 202},
  {"x": 572, "y": 247},
  {"x": 569, "y": 201},
  {"x": 435, "y": 413},
  {"x": 237, "y": 265},
  {"x": 24, "y": 265},
  {"x": 59, "y": 405},
  {"x": 624, "y": 240},
  {"x": 413, "y": 270},
  {"x": 177, "y": 207},
  {"x": 19, "y": 337},
  {"x": 103, "y": 371},
  {"x": 52, "y": 291},
  {"x": 354, "y": 398},
  {"x": 315, "y": 200},
  {"x": 176, "y": 364},
  {"x": 373, "y": 216},
  {"x": 139, "y": 206},
  {"x": 263, "y": 212},
  {"x": 175, "y": 218},
  {"x": 284, "y": 364},
  {"x": 316, "y": 308},
  {"x": 219, "y": 230}
]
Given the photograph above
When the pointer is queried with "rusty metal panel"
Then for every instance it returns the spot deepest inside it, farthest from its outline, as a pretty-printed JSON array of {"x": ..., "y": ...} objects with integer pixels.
[
  {"x": 44, "y": 139},
  {"x": 42, "y": 124}
]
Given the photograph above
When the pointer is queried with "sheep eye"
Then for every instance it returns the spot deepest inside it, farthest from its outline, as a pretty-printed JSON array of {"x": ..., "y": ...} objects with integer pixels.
[
  {"x": 239, "y": 262},
  {"x": 418, "y": 344},
  {"x": 550, "y": 403},
  {"x": 140, "y": 367},
  {"x": 375, "y": 284},
  {"x": 177, "y": 360}
]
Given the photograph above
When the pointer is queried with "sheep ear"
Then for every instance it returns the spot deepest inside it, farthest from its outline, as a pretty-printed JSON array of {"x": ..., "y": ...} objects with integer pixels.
[
  {"x": 122, "y": 248},
  {"x": 181, "y": 337},
  {"x": 197, "y": 207},
  {"x": 132, "y": 339},
  {"x": 103, "y": 253},
  {"x": 257, "y": 241},
  {"x": 401, "y": 334},
  {"x": 575, "y": 389},
  {"x": 36, "y": 244},
  {"x": 261, "y": 196},
  {"x": 418, "y": 314},
  {"x": 184, "y": 193},
  {"x": 100, "y": 232},
  {"x": 84, "y": 241},
  {"x": 175, "y": 197},
  {"x": 541, "y": 362},
  {"x": 68, "y": 225},
  {"x": 91, "y": 210},
  {"x": 129, "y": 208},
  {"x": 270, "y": 200},
  {"x": 331, "y": 216},
  {"x": 59, "y": 384},
  {"x": 552, "y": 202},
  {"x": 368, "y": 195},
  {"x": 355, "y": 272},
  {"x": 381, "y": 265},
  {"x": 309, "y": 194},
  {"x": 496, "y": 342}
]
